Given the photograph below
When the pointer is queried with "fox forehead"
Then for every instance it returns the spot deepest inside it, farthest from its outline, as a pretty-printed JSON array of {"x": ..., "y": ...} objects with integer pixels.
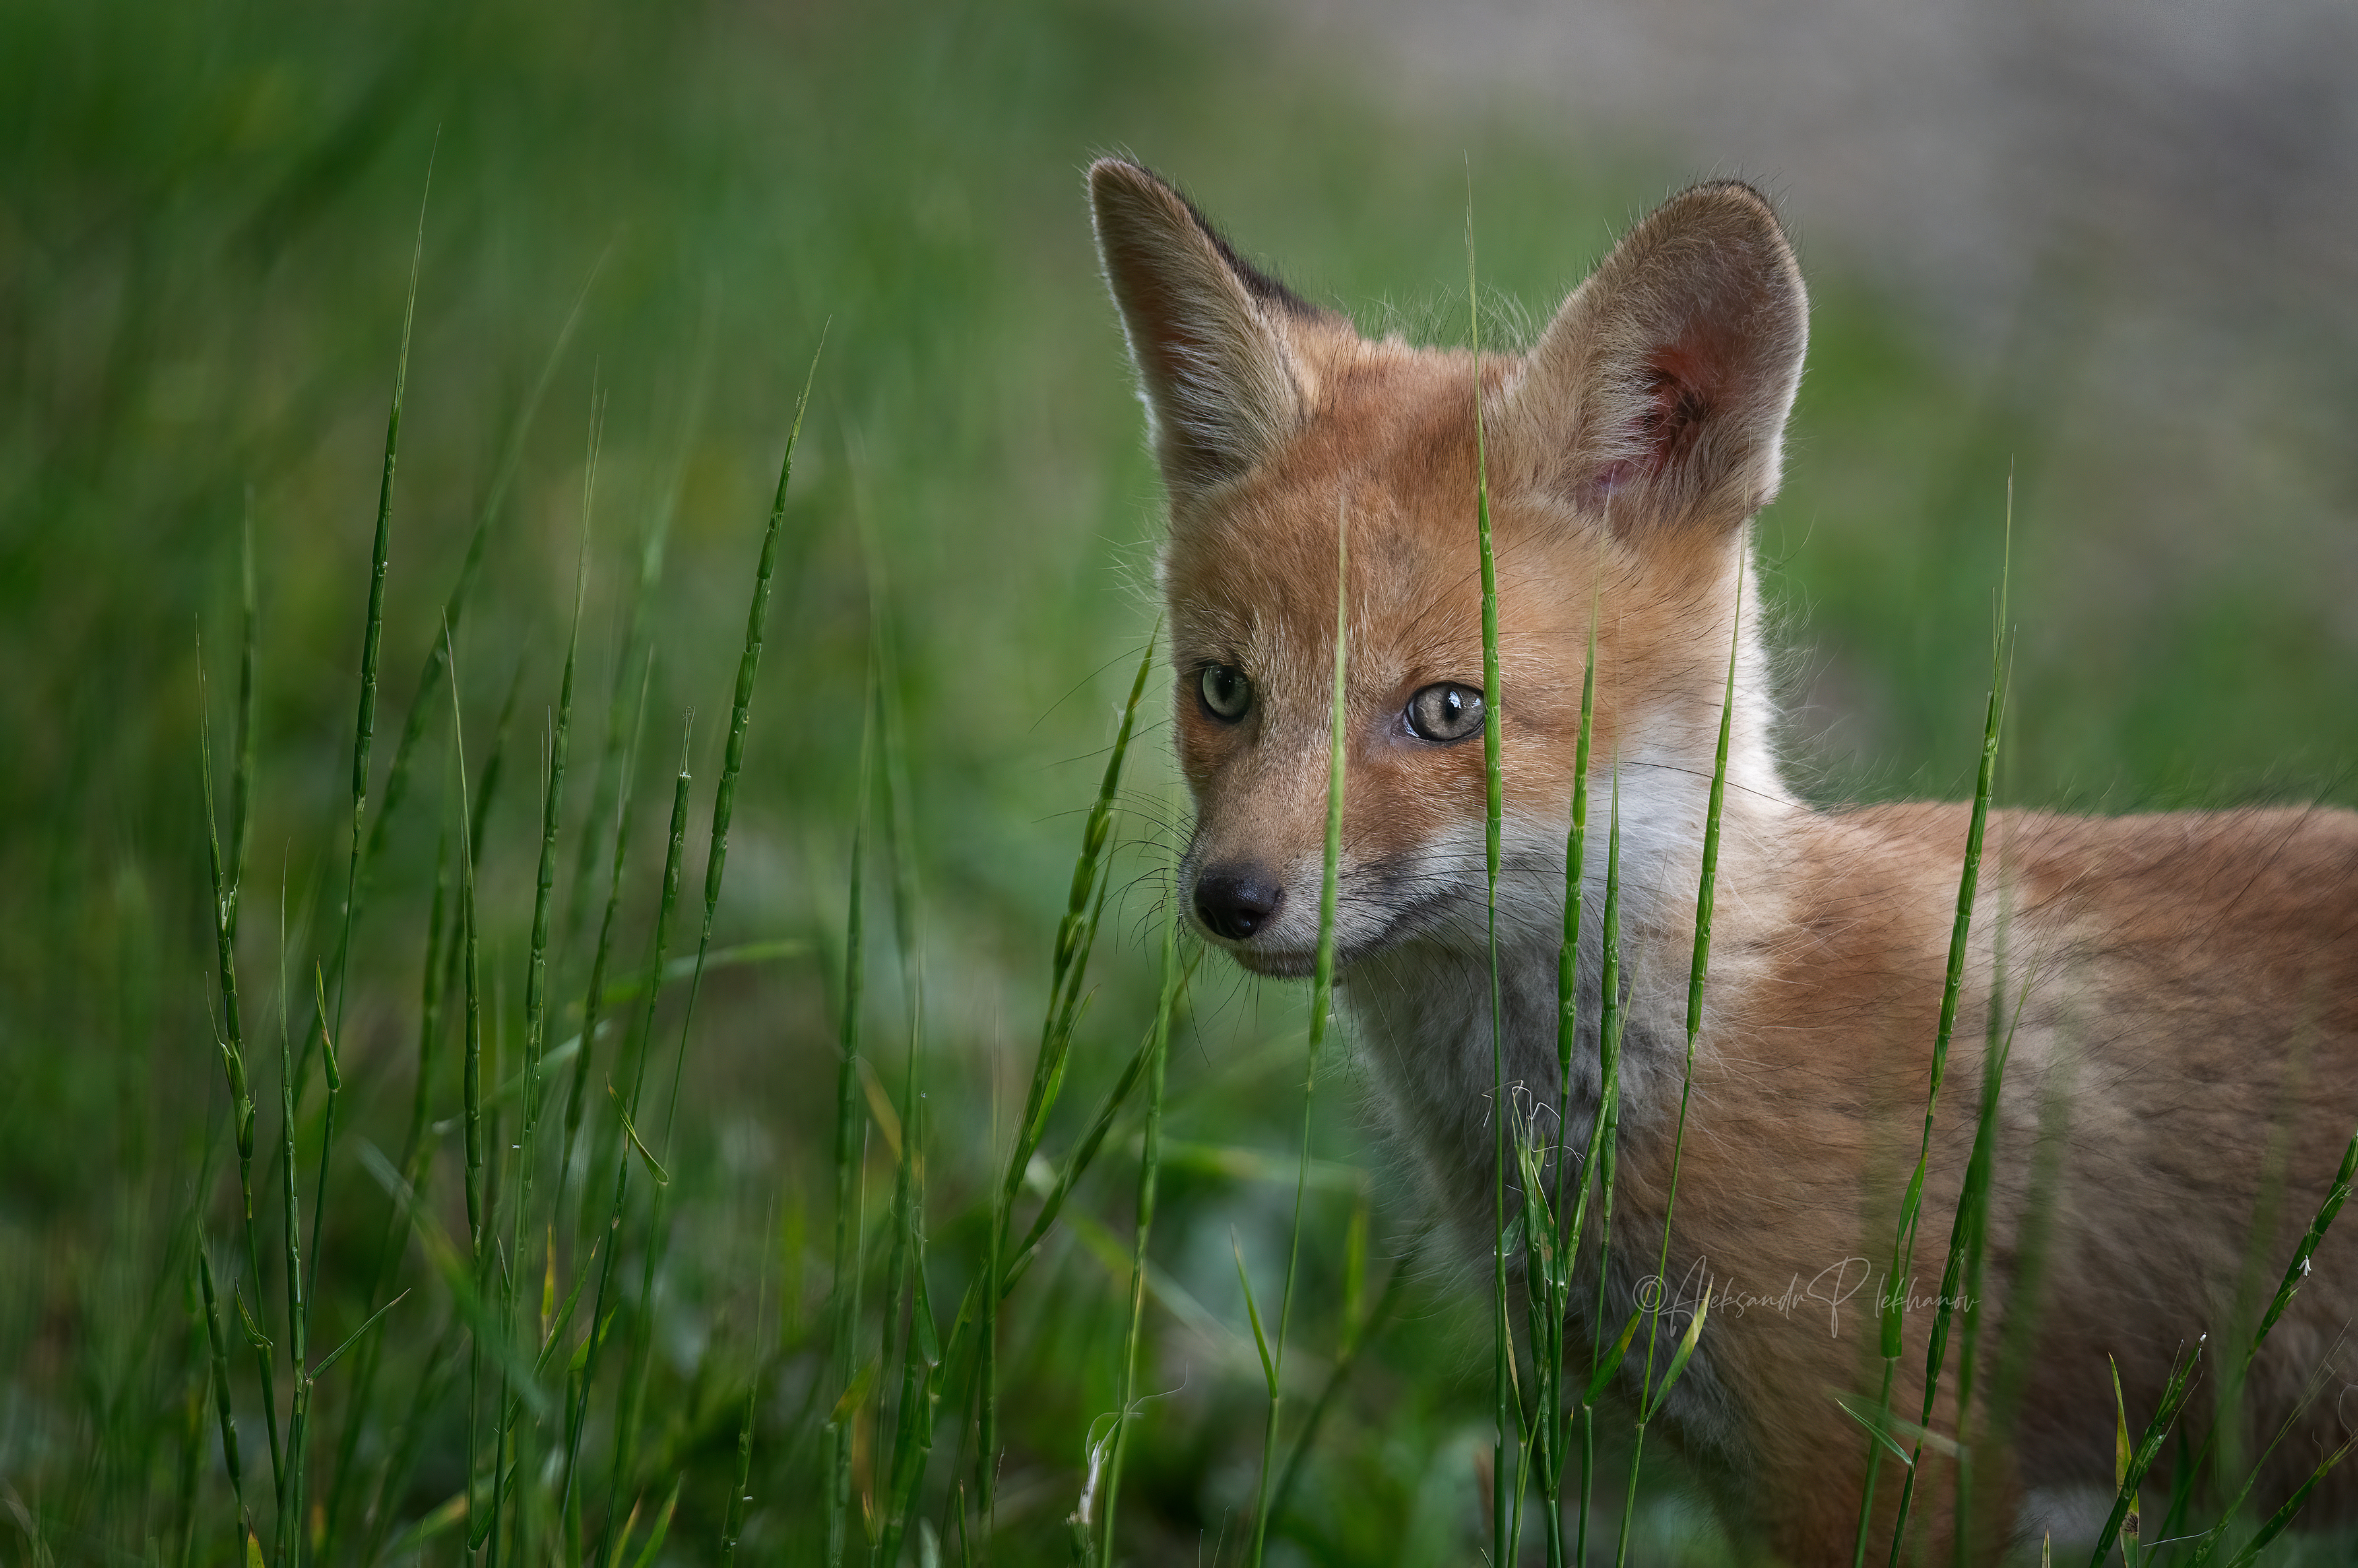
[{"x": 1389, "y": 450}]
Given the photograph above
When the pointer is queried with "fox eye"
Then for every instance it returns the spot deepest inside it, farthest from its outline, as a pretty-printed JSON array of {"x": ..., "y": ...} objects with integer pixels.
[
  {"x": 1225, "y": 692},
  {"x": 1444, "y": 712}
]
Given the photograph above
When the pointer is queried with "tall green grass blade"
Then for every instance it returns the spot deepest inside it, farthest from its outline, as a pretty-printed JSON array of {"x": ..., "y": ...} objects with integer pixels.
[
  {"x": 578, "y": 1091},
  {"x": 191, "y": 1434},
  {"x": 430, "y": 676},
  {"x": 632, "y": 654},
  {"x": 1361, "y": 1331},
  {"x": 628, "y": 1397},
  {"x": 328, "y": 1130},
  {"x": 406, "y": 1442},
  {"x": 265, "y": 1372},
  {"x": 535, "y": 1005},
  {"x": 1076, "y": 939},
  {"x": 1546, "y": 1281},
  {"x": 921, "y": 1398},
  {"x": 1253, "y": 1314},
  {"x": 452, "y": 1264},
  {"x": 1355, "y": 1275},
  {"x": 1609, "y": 1363},
  {"x": 2211, "y": 1456},
  {"x": 914, "y": 1403},
  {"x": 2183, "y": 1475},
  {"x": 667, "y": 908},
  {"x": 1321, "y": 1003},
  {"x": 2283, "y": 1514},
  {"x": 1879, "y": 1422},
  {"x": 652, "y": 1552},
  {"x": 232, "y": 1458},
  {"x": 372, "y": 632},
  {"x": 715, "y": 864},
  {"x": 766, "y": 950},
  {"x": 298, "y": 1314},
  {"x": 2231, "y": 1515},
  {"x": 749, "y": 664},
  {"x": 2136, "y": 1462},
  {"x": 231, "y": 1039},
  {"x": 415, "y": 1149},
  {"x": 732, "y": 1515},
  {"x": 2121, "y": 1460},
  {"x": 917, "y": 1404},
  {"x": 1650, "y": 1398},
  {"x": 1493, "y": 819},
  {"x": 470, "y": 1077},
  {"x": 789, "y": 1242},
  {"x": 630, "y": 1135},
  {"x": 851, "y": 1146},
  {"x": 552, "y": 815},
  {"x": 1604, "y": 1157},
  {"x": 1085, "y": 1151},
  {"x": 1980, "y": 1167},
  {"x": 2222, "y": 1452},
  {"x": 244, "y": 770},
  {"x": 1903, "y": 1244},
  {"x": 553, "y": 1327},
  {"x": 602, "y": 1246},
  {"x": 504, "y": 471},
  {"x": 1960, "y": 1274},
  {"x": 2035, "y": 1240},
  {"x": 2336, "y": 1195},
  {"x": 232, "y": 1043},
  {"x": 961, "y": 1351},
  {"x": 1685, "y": 1354},
  {"x": 1149, "y": 1171},
  {"x": 1555, "y": 1416},
  {"x": 319, "y": 1368},
  {"x": 716, "y": 861}
]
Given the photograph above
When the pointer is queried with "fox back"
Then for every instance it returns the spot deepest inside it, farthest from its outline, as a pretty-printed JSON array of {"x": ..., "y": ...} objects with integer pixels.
[{"x": 2179, "y": 1073}]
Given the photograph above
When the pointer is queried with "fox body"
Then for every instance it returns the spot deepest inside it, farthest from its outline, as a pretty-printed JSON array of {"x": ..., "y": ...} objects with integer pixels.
[{"x": 2183, "y": 1069}]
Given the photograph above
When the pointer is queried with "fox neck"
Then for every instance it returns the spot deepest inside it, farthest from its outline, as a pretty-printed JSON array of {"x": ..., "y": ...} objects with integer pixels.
[{"x": 1424, "y": 1008}]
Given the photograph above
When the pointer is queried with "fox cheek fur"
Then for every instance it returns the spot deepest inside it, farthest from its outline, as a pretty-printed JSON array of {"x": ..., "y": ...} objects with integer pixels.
[{"x": 1627, "y": 452}]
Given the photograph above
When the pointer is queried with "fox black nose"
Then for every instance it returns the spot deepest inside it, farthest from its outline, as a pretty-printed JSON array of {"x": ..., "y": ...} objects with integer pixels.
[{"x": 1237, "y": 901}]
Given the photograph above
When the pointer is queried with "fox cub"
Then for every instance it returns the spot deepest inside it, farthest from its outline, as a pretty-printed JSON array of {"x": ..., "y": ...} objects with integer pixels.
[{"x": 2183, "y": 1075}]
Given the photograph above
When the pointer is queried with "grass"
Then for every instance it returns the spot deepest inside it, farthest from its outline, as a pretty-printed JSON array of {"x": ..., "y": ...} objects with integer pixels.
[
  {"x": 1322, "y": 1003},
  {"x": 1505, "y": 1518},
  {"x": 1150, "y": 1172},
  {"x": 216, "y": 263},
  {"x": 1903, "y": 1244}
]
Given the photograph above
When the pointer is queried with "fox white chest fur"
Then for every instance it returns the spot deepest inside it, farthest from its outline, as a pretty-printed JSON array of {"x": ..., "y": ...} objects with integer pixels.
[{"x": 2194, "y": 979}]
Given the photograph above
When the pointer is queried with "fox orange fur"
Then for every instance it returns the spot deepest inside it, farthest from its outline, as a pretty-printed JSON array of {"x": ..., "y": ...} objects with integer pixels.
[{"x": 2186, "y": 1064}]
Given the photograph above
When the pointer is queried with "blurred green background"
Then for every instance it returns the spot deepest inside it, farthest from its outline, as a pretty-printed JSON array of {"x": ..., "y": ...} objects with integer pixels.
[{"x": 207, "y": 211}]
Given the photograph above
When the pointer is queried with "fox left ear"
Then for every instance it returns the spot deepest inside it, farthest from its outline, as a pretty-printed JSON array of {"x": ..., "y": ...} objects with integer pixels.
[{"x": 1659, "y": 393}]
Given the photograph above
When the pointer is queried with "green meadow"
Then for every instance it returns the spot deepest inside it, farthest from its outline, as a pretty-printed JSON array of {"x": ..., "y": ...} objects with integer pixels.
[{"x": 565, "y": 1270}]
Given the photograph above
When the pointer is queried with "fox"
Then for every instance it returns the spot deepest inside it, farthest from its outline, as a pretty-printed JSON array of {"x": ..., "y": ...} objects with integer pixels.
[{"x": 2180, "y": 1004}]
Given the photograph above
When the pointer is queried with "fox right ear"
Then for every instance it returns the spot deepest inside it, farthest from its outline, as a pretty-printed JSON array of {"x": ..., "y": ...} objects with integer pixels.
[{"x": 1221, "y": 387}]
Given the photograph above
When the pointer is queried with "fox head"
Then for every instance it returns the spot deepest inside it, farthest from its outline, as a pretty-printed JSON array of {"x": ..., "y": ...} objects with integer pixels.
[{"x": 1624, "y": 455}]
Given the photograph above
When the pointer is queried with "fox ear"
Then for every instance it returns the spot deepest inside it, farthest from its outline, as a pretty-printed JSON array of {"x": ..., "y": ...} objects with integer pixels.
[
  {"x": 1221, "y": 387},
  {"x": 1659, "y": 393}
]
